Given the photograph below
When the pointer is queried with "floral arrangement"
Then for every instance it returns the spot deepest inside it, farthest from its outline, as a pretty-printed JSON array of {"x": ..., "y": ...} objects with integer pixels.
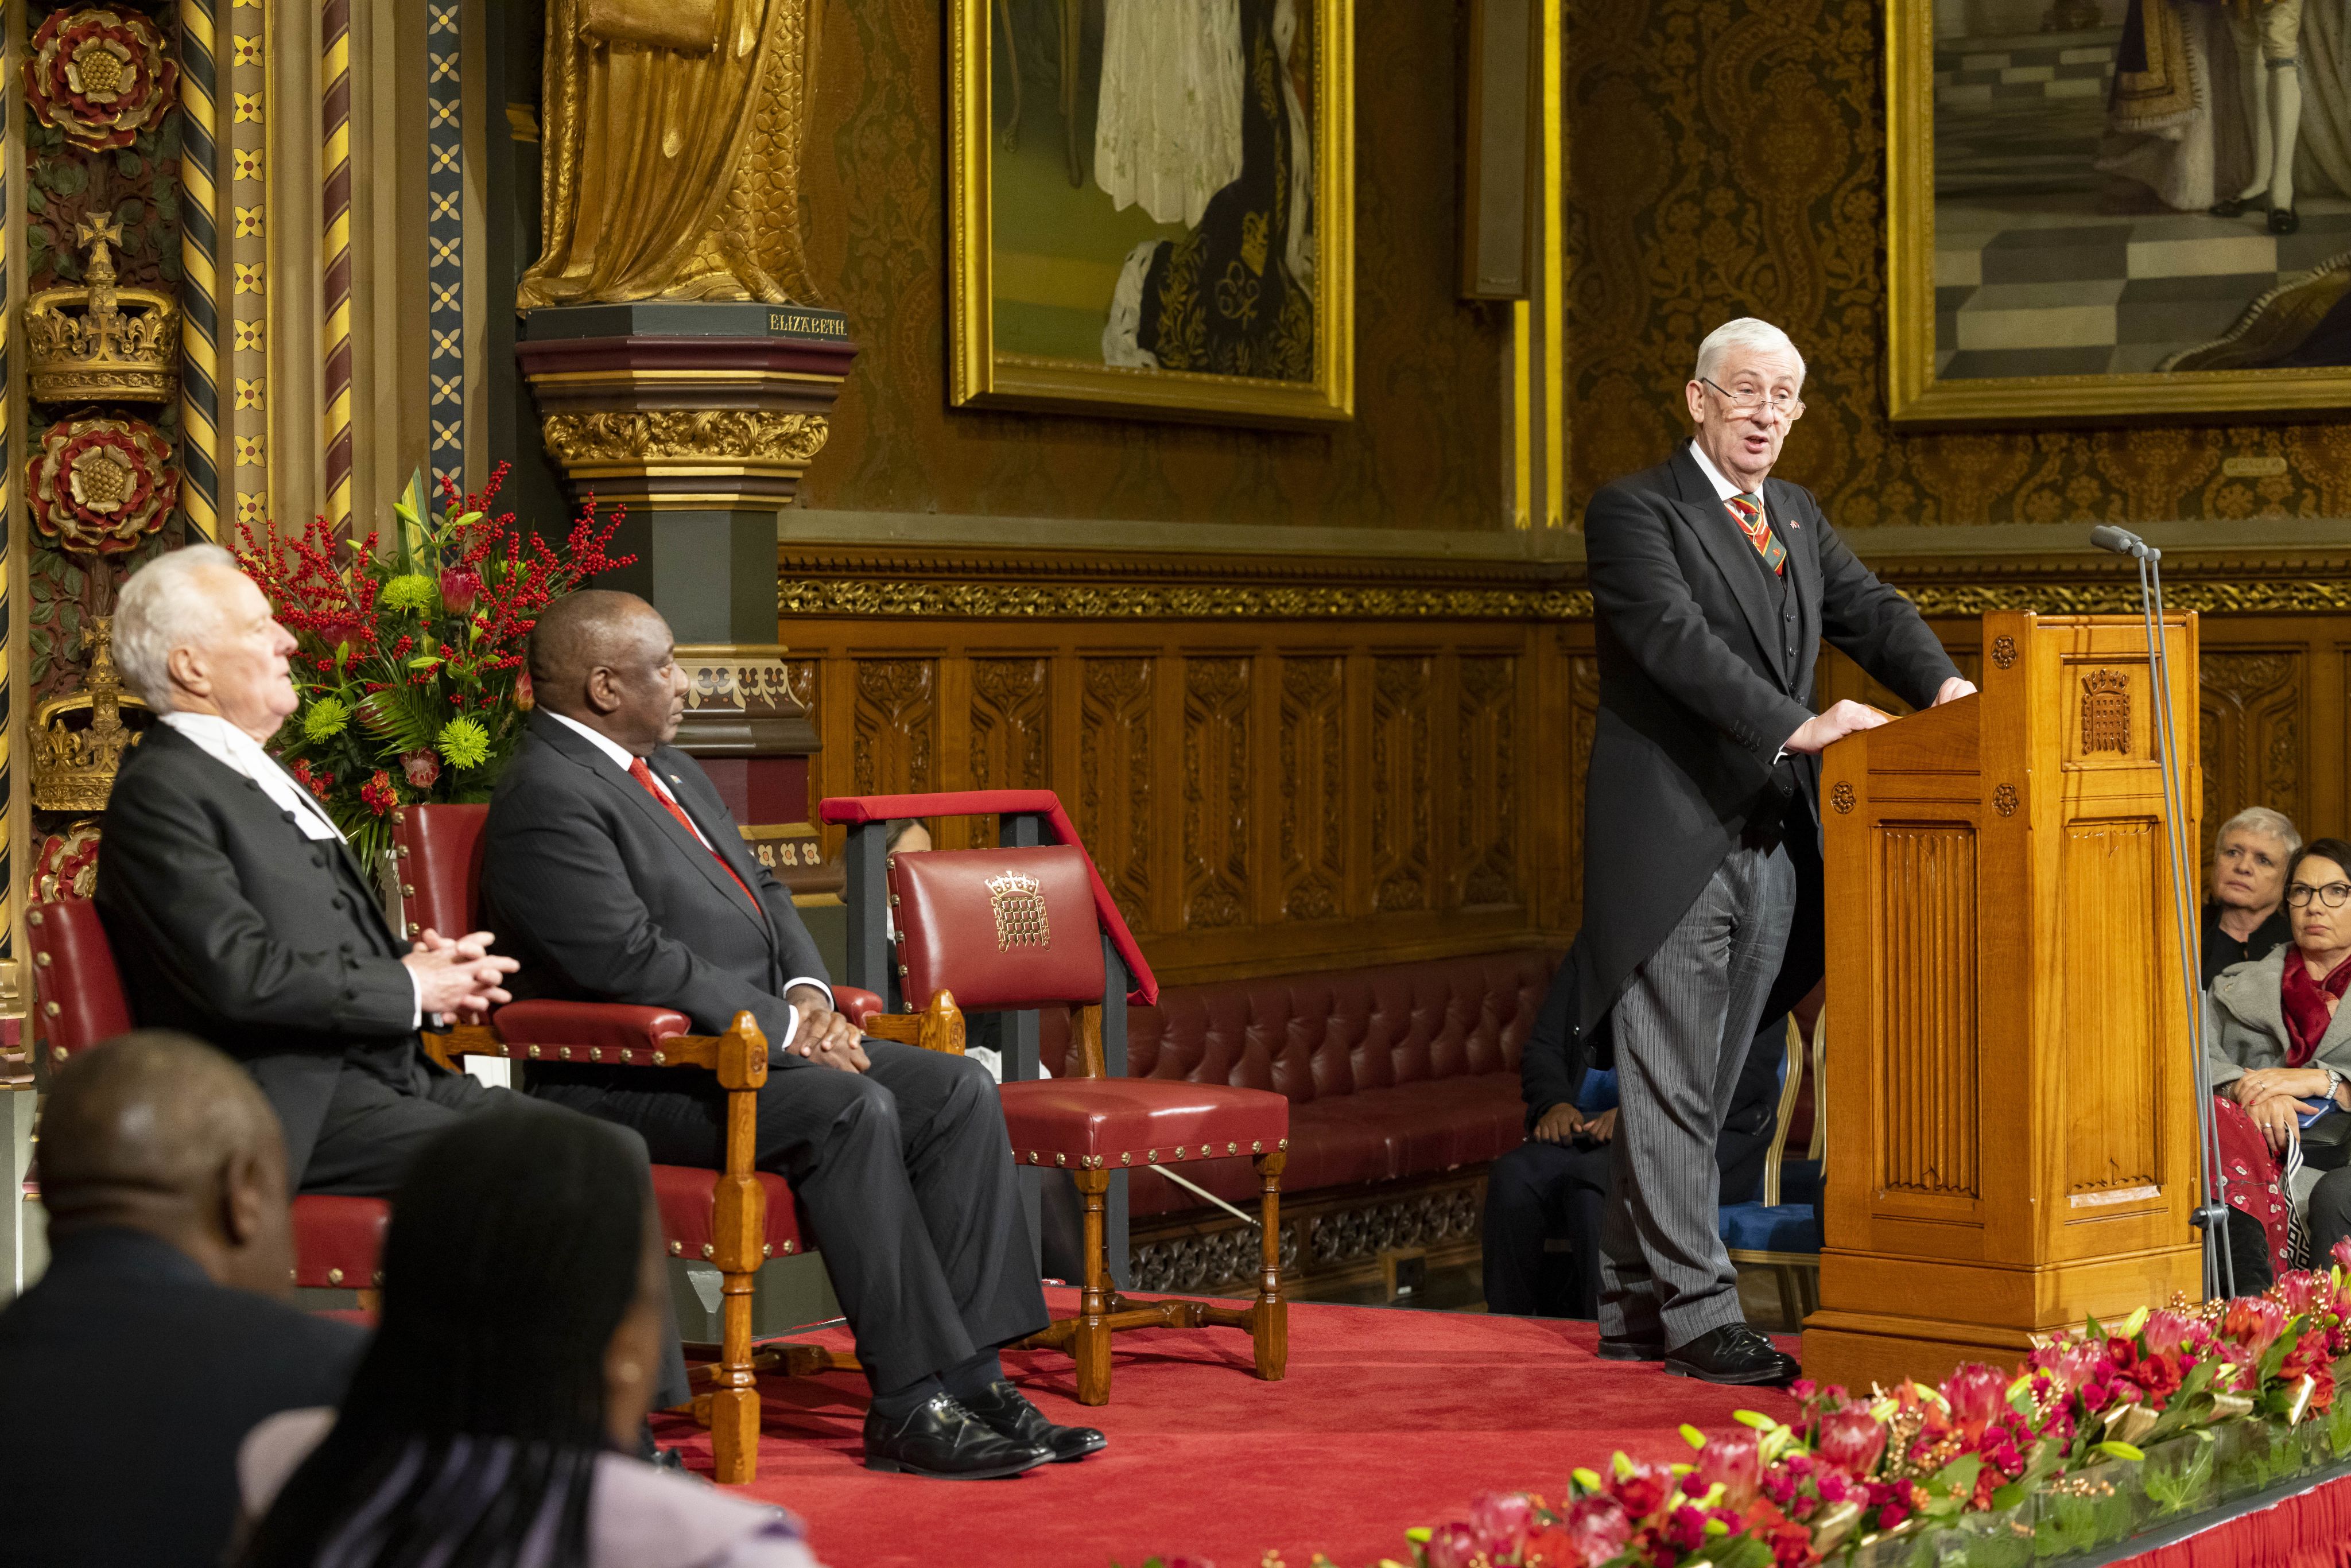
[
  {"x": 410, "y": 671},
  {"x": 2094, "y": 1436}
]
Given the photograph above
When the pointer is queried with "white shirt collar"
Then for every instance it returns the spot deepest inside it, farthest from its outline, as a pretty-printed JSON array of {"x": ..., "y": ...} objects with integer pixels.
[
  {"x": 239, "y": 752},
  {"x": 1723, "y": 489},
  {"x": 621, "y": 756}
]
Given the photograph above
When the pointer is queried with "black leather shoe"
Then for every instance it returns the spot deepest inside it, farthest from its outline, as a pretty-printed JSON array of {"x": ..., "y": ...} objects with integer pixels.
[
  {"x": 2227, "y": 208},
  {"x": 1733, "y": 1353},
  {"x": 944, "y": 1440},
  {"x": 1008, "y": 1413},
  {"x": 2284, "y": 220},
  {"x": 1624, "y": 1347}
]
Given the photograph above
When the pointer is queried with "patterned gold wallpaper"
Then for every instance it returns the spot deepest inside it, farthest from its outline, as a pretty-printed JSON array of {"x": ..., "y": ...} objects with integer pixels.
[
  {"x": 1726, "y": 157},
  {"x": 1426, "y": 450}
]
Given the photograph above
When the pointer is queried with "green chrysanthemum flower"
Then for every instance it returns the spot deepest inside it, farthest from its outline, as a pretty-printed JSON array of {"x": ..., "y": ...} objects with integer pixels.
[
  {"x": 463, "y": 742},
  {"x": 326, "y": 719},
  {"x": 414, "y": 591}
]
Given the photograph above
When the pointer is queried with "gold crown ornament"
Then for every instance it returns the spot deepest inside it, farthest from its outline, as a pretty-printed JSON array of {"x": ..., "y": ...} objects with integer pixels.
[
  {"x": 1017, "y": 901},
  {"x": 79, "y": 740},
  {"x": 100, "y": 342}
]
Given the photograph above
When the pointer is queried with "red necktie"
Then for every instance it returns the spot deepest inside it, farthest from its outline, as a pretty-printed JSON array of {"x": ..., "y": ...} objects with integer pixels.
[
  {"x": 1748, "y": 515},
  {"x": 645, "y": 776}
]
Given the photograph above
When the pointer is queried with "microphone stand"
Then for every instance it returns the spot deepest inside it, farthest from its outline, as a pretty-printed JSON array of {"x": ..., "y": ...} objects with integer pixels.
[{"x": 2211, "y": 1214}]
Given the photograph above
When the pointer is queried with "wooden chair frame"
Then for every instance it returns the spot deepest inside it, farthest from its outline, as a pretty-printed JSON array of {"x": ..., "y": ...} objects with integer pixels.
[{"x": 1797, "y": 1274}]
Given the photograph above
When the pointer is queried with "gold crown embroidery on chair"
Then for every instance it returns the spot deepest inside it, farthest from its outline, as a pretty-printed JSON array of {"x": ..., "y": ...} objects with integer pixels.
[
  {"x": 99, "y": 342},
  {"x": 1018, "y": 904},
  {"x": 74, "y": 763}
]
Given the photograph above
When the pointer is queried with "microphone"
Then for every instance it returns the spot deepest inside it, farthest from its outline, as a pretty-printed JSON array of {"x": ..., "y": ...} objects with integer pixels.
[{"x": 2122, "y": 541}]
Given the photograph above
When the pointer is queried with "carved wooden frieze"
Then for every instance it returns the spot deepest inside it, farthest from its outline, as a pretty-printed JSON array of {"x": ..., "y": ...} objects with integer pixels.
[
  {"x": 1217, "y": 788},
  {"x": 1114, "y": 779},
  {"x": 1401, "y": 807},
  {"x": 1310, "y": 752}
]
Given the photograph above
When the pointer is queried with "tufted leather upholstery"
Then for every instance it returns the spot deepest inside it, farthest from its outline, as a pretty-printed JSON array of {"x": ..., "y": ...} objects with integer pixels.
[
  {"x": 439, "y": 854},
  {"x": 337, "y": 1240},
  {"x": 684, "y": 1195},
  {"x": 951, "y": 938},
  {"x": 1391, "y": 1071}
]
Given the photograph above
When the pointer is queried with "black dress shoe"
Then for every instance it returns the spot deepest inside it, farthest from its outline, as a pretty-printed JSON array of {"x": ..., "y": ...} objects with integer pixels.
[
  {"x": 1625, "y": 1347},
  {"x": 944, "y": 1440},
  {"x": 1733, "y": 1353},
  {"x": 2284, "y": 220},
  {"x": 2228, "y": 207},
  {"x": 1008, "y": 1413}
]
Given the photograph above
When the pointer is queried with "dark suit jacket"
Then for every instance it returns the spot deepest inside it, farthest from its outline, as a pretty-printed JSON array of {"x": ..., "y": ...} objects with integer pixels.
[
  {"x": 1704, "y": 671},
  {"x": 126, "y": 1380},
  {"x": 602, "y": 896},
  {"x": 227, "y": 923}
]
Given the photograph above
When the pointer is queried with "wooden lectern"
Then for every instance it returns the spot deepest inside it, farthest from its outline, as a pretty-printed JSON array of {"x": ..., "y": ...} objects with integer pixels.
[{"x": 2011, "y": 1138}]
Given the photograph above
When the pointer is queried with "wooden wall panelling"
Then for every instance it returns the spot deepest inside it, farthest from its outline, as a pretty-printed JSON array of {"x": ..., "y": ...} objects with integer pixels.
[
  {"x": 1009, "y": 723},
  {"x": 2251, "y": 702},
  {"x": 1219, "y": 857},
  {"x": 1401, "y": 763},
  {"x": 1310, "y": 785},
  {"x": 1116, "y": 806},
  {"x": 1487, "y": 852},
  {"x": 893, "y": 725}
]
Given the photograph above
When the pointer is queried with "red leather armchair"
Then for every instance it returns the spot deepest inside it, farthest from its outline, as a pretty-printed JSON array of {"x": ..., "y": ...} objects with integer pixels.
[
  {"x": 337, "y": 1240},
  {"x": 1020, "y": 927},
  {"x": 734, "y": 1217}
]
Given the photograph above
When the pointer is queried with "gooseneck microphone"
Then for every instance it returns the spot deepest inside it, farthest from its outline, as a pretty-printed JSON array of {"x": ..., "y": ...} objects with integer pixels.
[{"x": 2122, "y": 541}]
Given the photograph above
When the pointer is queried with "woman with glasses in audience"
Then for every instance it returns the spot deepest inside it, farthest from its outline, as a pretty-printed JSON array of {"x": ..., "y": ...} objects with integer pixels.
[
  {"x": 2280, "y": 1048},
  {"x": 494, "y": 1421}
]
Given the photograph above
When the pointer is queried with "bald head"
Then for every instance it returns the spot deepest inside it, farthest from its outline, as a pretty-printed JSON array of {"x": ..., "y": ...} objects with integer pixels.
[
  {"x": 160, "y": 1133},
  {"x": 607, "y": 660}
]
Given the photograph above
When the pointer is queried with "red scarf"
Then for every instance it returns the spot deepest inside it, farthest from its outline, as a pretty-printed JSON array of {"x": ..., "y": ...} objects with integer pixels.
[{"x": 2306, "y": 1016}]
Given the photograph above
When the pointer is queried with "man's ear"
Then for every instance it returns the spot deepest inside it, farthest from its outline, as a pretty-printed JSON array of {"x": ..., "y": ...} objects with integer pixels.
[
  {"x": 603, "y": 692},
  {"x": 185, "y": 670},
  {"x": 244, "y": 1199}
]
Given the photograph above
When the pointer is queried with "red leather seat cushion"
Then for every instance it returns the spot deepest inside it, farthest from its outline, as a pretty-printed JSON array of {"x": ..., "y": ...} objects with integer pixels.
[
  {"x": 74, "y": 976},
  {"x": 609, "y": 1026},
  {"x": 999, "y": 928},
  {"x": 339, "y": 1241},
  {"x": 1126, "y": 1121},
  {"x": 439, "y": 854},
  {"x": 684, "y": 1195}
]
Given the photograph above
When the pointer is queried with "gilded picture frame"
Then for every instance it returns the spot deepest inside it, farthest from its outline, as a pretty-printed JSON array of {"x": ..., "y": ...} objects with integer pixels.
[
  {"x": 1065, "y": 296},
  {"x": 2061, "y": 247}
]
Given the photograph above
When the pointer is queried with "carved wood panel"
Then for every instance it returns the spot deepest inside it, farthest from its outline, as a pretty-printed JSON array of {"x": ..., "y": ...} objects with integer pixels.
[
  {"x": 1115, "y": 804},
  {"x": 1582, "y": 723},
  {"x": 1487, "y": 855},
  {"x": 1401, "y": 807},
  {"x": 1011, "y": 718},
  {"x": 2111, "y": 878},
  {"x": 1928, "y": 1114},
  {"x": 1311, "y": 761},
  {"x": 894, "y": 726},
  {"x": 1217, "y": 787},
  {"x": 2250, "y": 704}
]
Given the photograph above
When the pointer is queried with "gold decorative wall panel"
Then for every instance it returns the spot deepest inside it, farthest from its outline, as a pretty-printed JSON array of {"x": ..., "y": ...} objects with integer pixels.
[{"x": 1927, "y": 909}]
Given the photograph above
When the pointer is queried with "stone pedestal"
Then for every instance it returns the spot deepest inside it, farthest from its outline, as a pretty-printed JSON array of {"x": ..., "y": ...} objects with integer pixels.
[{"x": 699, "y": 418}]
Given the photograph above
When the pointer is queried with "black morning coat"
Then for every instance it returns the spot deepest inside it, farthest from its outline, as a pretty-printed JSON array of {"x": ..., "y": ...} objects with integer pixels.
[
  {"x": 1706, "y": 670},
  {"x": 602, "y": 896}
]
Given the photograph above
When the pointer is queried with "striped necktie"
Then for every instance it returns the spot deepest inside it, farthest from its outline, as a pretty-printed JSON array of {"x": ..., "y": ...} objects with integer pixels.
[{"x": 1747, "y": 511}]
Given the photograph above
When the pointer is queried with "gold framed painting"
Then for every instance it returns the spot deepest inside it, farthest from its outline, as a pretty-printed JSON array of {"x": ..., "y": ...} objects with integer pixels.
[
  {"x": 2100, "y": 209},
  {"x": 1152, "y": 207}
]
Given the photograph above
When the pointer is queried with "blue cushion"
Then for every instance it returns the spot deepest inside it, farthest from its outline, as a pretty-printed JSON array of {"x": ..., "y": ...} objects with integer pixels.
[
  {"x": 1599, "y": 1092},
  {"x": 1784, "y": 1227}
]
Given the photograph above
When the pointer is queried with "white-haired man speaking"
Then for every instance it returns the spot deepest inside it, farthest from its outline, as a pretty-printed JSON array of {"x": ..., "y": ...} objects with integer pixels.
[{"x": 1713, "y": 585}]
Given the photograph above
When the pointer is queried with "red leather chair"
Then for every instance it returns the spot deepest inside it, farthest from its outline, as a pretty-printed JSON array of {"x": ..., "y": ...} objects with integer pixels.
[
  {"x": 337, "y": 1240},
  {"x": 1015, "y": 928},
  {"x": 735, "y": 1217}
]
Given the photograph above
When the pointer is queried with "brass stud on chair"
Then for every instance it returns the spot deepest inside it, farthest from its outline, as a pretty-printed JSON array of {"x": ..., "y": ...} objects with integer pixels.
[
  {"x": 624, "y": 1057},
  {"x": 334, "y": 1276},
  {"x": 565, "y": 1052},
  {"x": 51, "y": 1009},
  {"x": 708, "y": 1250},
  {"x": 59, "y": 1052},
  {"x": 1126, "y": 1156},
  {"x": 32, "y": 917},
  {"x": 1283, "y": 1145},
  {"x": 595, "y": 1053},
  {"x": 1060, "y": 1159},
  {"x": 42, "y": 957},
  {"x": 408, "y": 890},
  {"x": 1256, "y": 1149},
  {"x": 1232, "y": 1148},
  {"x": 660, "y": 1060},
  {"x": 377, "y": 1279},
  {"x": 677, "y": 1248},
  {"x": 767, "y": 1249},
  {"x": 534, "y": 1051},
  {"x": 788, "y": 1249}
]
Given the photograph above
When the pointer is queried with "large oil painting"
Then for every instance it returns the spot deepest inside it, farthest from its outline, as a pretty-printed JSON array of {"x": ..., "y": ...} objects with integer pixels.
[
  {"x": 1152, "y": 205},
  {"x": 2107, "y": 208}
]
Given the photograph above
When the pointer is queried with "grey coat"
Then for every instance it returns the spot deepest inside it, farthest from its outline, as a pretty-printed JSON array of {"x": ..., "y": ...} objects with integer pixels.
[{"x": 2247, "y": 1027}]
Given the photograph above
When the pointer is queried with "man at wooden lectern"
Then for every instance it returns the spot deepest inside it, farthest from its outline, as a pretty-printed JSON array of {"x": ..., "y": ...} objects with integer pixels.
[{"x": 1712, "y": 587}]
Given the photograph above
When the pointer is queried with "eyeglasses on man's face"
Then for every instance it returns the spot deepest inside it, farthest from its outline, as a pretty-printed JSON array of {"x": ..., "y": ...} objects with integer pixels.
[
  {"x": 2331, "y": 896},
  {"x": 1744, "y": 400}
]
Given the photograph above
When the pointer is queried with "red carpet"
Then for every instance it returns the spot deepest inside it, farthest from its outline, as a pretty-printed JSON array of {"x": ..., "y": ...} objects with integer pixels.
[{"x": 1387, "y": 1419}]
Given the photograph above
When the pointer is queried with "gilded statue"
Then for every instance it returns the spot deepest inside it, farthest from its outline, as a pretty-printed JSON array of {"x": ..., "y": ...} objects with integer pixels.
[{"x": 671, "y": 151}]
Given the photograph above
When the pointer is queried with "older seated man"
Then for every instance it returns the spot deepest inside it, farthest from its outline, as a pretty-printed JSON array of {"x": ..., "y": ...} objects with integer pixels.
[
  {"x": 152, "y": 1337},
  {"x": 2245, "y": 918},
  {"x": 236, "y": 910},
  {"x": 611, "y": 861}
]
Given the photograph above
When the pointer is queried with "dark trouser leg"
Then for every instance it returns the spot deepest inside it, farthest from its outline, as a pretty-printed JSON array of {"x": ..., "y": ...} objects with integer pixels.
[
  {"x": 1683, "y": 1025},
  {"x": 1535, "y": 1192},
  {"x": 2329, "y": 1217},
  {"x": 879, "y": 1161},
  {"x": 373, "y": 1131}
]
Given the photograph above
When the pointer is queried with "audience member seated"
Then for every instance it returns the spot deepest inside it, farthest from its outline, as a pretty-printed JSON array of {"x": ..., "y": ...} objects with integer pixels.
[
  {"x": 612, "y": 865},
  {"x": 2245, "y": 918},
  {"x": 1555, "y": 1185},
  {"x": 2281, "y": 1046},
  {"x": 494, "y": 1417},
  {"x": 236, "y": 912},
  {"x": 130, "y": 1372}
]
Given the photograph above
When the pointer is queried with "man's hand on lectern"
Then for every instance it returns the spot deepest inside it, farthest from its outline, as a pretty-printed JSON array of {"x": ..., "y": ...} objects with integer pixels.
[
  {"x": 1844, "y": 718},
  {"x": 1955, "y": 688}
]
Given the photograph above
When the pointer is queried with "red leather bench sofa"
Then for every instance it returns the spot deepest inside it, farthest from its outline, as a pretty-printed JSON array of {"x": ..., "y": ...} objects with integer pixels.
[{"x": 1403, "y": 1081}]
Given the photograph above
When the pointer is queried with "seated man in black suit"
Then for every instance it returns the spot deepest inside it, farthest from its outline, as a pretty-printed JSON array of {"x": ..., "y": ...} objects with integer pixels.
[
  {"x": 1555, "y": 1185},
  {"x": 237, "y": 913},
  {"x": 614, "y": 868},
  {"x": 151, "y": 1340}
]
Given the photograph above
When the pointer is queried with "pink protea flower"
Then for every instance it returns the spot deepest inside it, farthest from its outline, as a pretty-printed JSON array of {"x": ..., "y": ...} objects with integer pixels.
[
  {"x": 422, "y": 767},
  {"x": 2253, "y": 1322},
  {"x": 1851, "y": 1439},
  {"x": 1736, "y": 1462},
  {"x": 1977, "y": 1394},
  {"x": 1501, "y": 1521}
]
